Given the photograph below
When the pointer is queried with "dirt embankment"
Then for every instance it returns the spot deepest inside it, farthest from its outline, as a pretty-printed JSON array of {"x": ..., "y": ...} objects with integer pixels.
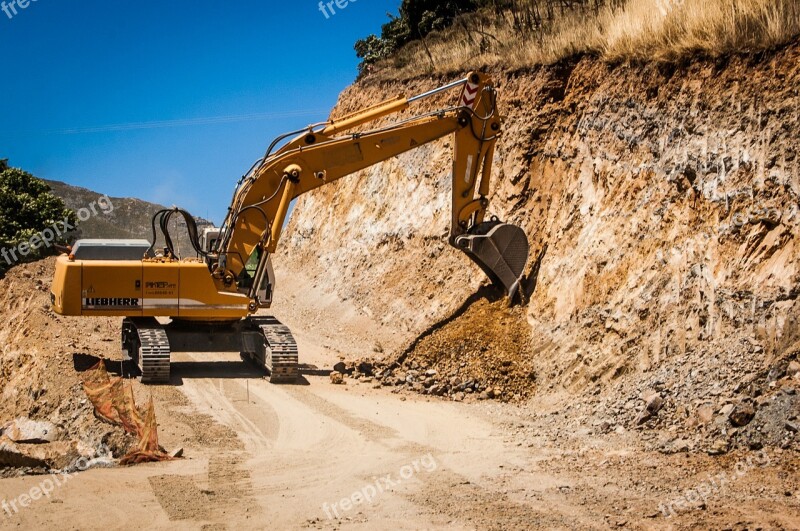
[
  {"x": 41, "y": 357},
  {"x": 662, "y": 205}
]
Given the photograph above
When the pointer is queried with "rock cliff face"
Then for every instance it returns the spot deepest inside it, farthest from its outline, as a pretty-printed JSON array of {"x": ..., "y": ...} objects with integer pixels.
[{"x": 662, "y": 206}]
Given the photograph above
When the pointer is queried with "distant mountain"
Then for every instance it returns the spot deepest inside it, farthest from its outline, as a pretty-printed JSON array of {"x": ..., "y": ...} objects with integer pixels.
[{"x": 129, "y": 218}]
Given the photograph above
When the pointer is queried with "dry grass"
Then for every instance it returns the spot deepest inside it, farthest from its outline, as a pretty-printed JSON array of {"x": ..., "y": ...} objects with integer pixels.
[
  {"x": 664, "y": 31},
  {"x": 637, "y": 30}
]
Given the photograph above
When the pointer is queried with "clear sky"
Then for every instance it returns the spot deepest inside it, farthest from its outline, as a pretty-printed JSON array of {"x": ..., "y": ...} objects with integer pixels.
[{"x": 171, "y": 100}]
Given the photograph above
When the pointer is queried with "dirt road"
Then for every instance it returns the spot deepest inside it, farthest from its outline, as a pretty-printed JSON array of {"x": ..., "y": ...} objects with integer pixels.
[
  {"x": 288, "y": 456},
  {"x": 286, "y": 459},
  {"x": 320, "y": 456},
  {"x": 315, "y": 455}
]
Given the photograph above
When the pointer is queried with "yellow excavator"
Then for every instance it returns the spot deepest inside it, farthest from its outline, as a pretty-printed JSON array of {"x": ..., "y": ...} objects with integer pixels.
[{"x": 211, "y": 301}]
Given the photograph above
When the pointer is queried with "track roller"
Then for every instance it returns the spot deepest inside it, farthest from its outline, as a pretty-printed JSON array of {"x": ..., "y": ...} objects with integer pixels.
[{"x": 274, "y": 349}]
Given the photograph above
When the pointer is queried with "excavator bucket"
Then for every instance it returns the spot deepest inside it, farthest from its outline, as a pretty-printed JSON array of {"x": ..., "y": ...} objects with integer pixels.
[{"x": 501, "y": 250}]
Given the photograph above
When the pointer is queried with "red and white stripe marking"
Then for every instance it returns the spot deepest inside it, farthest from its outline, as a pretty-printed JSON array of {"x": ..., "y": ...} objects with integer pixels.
[{"x": 470, "y": 94}]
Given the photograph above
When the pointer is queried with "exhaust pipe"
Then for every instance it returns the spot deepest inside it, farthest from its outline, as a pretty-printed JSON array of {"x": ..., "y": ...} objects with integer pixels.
[{"x": 500, "y": 250}]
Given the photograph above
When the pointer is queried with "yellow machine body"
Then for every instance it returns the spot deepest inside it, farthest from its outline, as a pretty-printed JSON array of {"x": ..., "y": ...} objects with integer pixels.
[{"x": 143, "y": 288}]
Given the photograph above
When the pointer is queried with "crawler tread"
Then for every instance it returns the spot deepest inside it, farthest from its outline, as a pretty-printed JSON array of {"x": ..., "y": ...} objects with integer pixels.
[
  {"x": 153, "y": 349},
  {"x": 281, "y": 359}
]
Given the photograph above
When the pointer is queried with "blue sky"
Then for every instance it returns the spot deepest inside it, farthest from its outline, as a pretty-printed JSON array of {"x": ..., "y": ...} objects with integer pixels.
[{"x": 169, "y": 101}]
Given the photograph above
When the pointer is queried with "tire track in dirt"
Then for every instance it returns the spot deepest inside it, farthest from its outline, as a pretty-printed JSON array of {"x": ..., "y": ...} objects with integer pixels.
[
  {"x": 225, "y": 488},
  {"x": 384, "y": 446}
]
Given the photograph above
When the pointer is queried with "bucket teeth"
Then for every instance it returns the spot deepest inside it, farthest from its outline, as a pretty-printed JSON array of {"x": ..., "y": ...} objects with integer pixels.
[{"x": 501, "y": 250}]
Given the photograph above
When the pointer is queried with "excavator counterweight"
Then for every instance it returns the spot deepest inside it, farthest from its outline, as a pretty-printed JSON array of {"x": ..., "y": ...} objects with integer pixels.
[{"x": 212, "y": 299}]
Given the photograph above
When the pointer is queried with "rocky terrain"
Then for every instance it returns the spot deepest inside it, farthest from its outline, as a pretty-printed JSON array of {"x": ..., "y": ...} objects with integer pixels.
[
  {"x": 42, "y": 356},
  {"x": 662, "y": 207},
  {"x": 258, "y": 454},
  {"x": 649, "y": 382}
]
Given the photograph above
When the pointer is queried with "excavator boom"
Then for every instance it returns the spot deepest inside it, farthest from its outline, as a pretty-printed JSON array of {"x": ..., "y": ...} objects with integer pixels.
[{"x": 323, "y": 155}]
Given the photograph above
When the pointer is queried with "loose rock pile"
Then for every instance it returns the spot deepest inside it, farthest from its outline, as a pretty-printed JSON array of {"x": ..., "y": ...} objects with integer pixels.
[
  {"x": 725, "y": 402},
  {"x": 482, "y": 353}
]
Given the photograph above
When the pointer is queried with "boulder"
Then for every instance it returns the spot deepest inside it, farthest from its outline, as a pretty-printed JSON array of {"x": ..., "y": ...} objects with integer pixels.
[
  {"x": 56, "y": 455},
  {"x": 742, "y": 414},
  {"x": 27, "y": 431},
  {"x": 654, "y": 404}
]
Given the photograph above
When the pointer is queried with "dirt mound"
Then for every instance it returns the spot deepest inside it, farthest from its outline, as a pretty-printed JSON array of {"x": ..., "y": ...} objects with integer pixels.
[
  {"x": 482, "y": 351},
  {"x": 41, "y": 358},
  {"x": 487, "y": 343}
]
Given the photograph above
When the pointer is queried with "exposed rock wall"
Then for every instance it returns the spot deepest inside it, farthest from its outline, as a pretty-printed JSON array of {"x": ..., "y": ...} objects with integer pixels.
[{"x": 663, "y": 200}]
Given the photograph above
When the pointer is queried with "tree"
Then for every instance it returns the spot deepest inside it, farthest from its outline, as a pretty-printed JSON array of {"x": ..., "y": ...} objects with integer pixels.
[
  {"x": 370, "y": 51},
  {"x": 27, "y": 207},
  {"x": 425, "y": 16}
]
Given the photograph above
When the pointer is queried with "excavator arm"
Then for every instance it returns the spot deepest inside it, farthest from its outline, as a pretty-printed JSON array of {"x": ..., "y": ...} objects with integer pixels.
[{"x": 328, "y": 152}]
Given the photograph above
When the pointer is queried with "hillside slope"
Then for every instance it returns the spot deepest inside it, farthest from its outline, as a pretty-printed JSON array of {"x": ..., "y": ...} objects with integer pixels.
[
  {"x": 663, "y": 202},
  {"x": 129, "y": 219}
]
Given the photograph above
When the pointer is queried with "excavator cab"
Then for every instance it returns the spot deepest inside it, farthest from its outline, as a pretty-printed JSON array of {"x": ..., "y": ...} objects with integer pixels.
[
  {"x": 258, "y": 272},
  {"x": 209, "y": 239},
  {"x": 251, "y": 273}
]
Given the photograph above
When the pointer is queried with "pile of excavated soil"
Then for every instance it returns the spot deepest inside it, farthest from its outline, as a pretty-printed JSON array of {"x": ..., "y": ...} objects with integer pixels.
[
  {"x": 42, "y": 356},
  {"x": 483, "y": 351},
  {"x": 488, "y": 343}
]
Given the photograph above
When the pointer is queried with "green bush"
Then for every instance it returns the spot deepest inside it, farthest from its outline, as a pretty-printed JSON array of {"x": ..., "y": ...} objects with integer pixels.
[{"x": 27, "y": 208}]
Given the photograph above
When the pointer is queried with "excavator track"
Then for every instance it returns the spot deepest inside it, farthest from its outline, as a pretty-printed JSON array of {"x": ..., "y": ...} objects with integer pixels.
[
  {"x": 147, "y": 343},
  {"x": 280, "y": 357}
]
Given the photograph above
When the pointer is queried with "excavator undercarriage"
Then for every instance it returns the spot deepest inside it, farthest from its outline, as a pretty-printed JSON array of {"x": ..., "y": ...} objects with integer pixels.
[{"x": 261, "y": 340}]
